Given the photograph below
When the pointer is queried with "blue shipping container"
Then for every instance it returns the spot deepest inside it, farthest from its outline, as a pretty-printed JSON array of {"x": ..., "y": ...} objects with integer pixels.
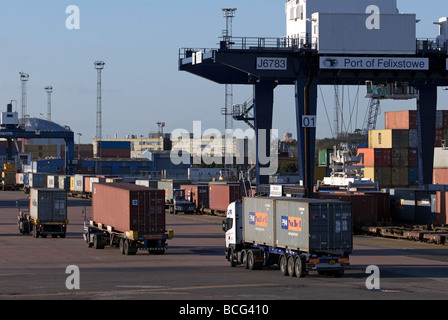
[
  {"x": 114, "y": 144},
  {"x": 413, "y": 176}
]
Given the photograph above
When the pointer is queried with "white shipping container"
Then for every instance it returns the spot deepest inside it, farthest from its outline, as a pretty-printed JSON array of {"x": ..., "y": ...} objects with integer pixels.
[
  {"x": 348, "y": 34},
  {"x": 440, "y": 158},
  {"x": 79, "y": 182},
  {"x": 299, "y": 12},
  {"x": 52, "y": 181}
]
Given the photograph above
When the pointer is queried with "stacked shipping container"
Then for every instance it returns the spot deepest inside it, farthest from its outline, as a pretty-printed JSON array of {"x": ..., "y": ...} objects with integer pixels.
[
  {"x": 440, "y": 175},
  {"x": 392, "y": 156},
  {"x": 222, "y": 194}
]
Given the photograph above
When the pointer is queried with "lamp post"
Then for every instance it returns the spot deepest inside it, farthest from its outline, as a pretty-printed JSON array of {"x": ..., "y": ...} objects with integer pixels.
[{"x": 79, "y": 143}]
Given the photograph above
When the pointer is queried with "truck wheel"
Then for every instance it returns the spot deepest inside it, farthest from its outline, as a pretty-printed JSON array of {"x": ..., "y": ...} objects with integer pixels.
[
  {"x": 35, "y": 232},
  {"x": 283, "y": 265},
  {"x": 98, "y": 242},
  {"x": 298, "y": 267},
  {"x": 290, "y": 266},
  {"x": 250, "y": 260},
  {"x": 231, "y": 258},
  {"x": 129, "y": 248},
  {"x": 244, "y": 259},
  {"x": 126, "y": 247},
  {"x": 121, "y": 246}
]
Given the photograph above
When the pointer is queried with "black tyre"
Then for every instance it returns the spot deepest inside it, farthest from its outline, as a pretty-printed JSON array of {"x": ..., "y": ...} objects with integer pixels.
[
  {"x": 231, "y": 258},
  {"x": 121, "y": 245},
  {"x": 129, "y": 248},
  {"x": 298, "y": 267},
  {"x": 98, "y": 242},
  {"x": 244, "y": 259},
  {"x": 290, "y": 266},
  {"x": 283, "y": 265},
  {"x": 250, "y": 260}
]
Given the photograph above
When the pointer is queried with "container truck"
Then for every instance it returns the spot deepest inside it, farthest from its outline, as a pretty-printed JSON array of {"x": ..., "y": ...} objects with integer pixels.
[
  {"x": 300, "y": 235},
  {"x": 47, "y": 214},
  {"x": 35, "y": 180},
  {"x": 175, "y": 196},
  {"x": 129, "y": 217},
  {"x": 8, "y": 177}
]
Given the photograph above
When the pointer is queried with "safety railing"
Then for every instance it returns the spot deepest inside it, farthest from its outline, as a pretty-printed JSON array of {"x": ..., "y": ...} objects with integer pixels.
[
  {"x": 188, "y": 52},
  {"x": 246, "y": 43}
]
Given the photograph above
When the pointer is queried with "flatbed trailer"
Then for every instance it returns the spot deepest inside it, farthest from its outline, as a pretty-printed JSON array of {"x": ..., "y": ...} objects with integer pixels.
[
  {"x": 129, "y": 242},
  {"x": 127, "y": 216}
]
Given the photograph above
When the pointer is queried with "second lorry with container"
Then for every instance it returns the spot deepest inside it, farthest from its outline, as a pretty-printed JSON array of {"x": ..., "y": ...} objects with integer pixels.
[
  {"x": 47, "y": 214},
  {"x": 300, "y": 235}
]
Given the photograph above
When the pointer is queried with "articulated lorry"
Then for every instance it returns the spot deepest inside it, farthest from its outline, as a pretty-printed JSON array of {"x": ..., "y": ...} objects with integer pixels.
[
  {"x": 47, "y": 215},
  {"x": 129, "y": 217},
  {"x": 300, "y": 235}
]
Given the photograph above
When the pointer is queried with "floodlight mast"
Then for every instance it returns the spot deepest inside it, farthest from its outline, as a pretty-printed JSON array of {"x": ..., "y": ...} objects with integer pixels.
[
  {"x": 99, "y": 66},
  {"x": 49, "y": 90},
  {"x": 24, "y": 79}
]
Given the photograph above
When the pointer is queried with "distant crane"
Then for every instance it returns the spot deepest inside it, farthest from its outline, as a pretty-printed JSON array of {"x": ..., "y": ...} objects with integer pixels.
[{"x": 383, "y": 91}]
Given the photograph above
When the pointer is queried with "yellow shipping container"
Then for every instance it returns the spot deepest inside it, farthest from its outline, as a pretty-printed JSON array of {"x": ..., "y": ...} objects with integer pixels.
[
  {"x": 8, "y": 167},
  {"x": 319, "y": 173},
  {"x": 389, "y": 138},
  {"x": 400, "y": 176},
  {"x": 382, "y": 175},
  {"x": 72, "y": 183}
]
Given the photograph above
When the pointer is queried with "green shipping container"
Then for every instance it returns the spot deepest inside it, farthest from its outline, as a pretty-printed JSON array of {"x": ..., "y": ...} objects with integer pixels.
[{"x": 324, "y": 157}]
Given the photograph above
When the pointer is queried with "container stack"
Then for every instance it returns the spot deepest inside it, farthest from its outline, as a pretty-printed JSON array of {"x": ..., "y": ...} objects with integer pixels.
[
  {"x": 391, "y": 158},
  {"x": 440, "y": 175}
]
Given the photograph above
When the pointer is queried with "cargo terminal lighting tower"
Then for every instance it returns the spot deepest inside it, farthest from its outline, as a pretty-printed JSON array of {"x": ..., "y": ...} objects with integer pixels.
[
  {"x": 99, "y": 66},
  {"x": 229, "y": 14},
  {"x": 49, "y": 90},
  {"x": 24, "y": 77},
  {"x": 329, "y": 43}
]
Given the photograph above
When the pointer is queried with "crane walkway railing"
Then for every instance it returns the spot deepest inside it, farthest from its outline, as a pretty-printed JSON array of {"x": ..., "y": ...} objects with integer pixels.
[{"x": 289, "y": 43}]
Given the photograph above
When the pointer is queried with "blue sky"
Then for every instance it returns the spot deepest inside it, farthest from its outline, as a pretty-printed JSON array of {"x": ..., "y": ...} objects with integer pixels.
[{"x": 139, "y": 41}]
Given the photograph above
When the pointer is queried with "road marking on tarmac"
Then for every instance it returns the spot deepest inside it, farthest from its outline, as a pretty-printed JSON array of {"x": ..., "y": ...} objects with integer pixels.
[{"x": 161, "y": 289}]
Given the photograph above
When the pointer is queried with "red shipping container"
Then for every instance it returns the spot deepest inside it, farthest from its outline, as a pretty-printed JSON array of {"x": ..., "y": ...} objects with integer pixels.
[
  {"x": 438, "y": 138},
  {"x": 115, "y": 153},
  {"x": 442, "y": 207},
  {"x": 376, "y": 157},
  {"x": 198, "y": 194},
  {"x": 440, "y": 176},
  {"x": 413, "y": 157},
  {"x": 368, "y": 208},
  {"x": 401, "y": 119},
  {"x": 221, "y": 195},
  {"x": 445, "y": 119},
  {"x": 129, "y": 207}
]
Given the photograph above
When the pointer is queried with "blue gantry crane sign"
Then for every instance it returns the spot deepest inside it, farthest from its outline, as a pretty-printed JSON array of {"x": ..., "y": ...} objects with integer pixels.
[
  {"x": 317, "y": 52},
  {"x": 11, "y": 130}
]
